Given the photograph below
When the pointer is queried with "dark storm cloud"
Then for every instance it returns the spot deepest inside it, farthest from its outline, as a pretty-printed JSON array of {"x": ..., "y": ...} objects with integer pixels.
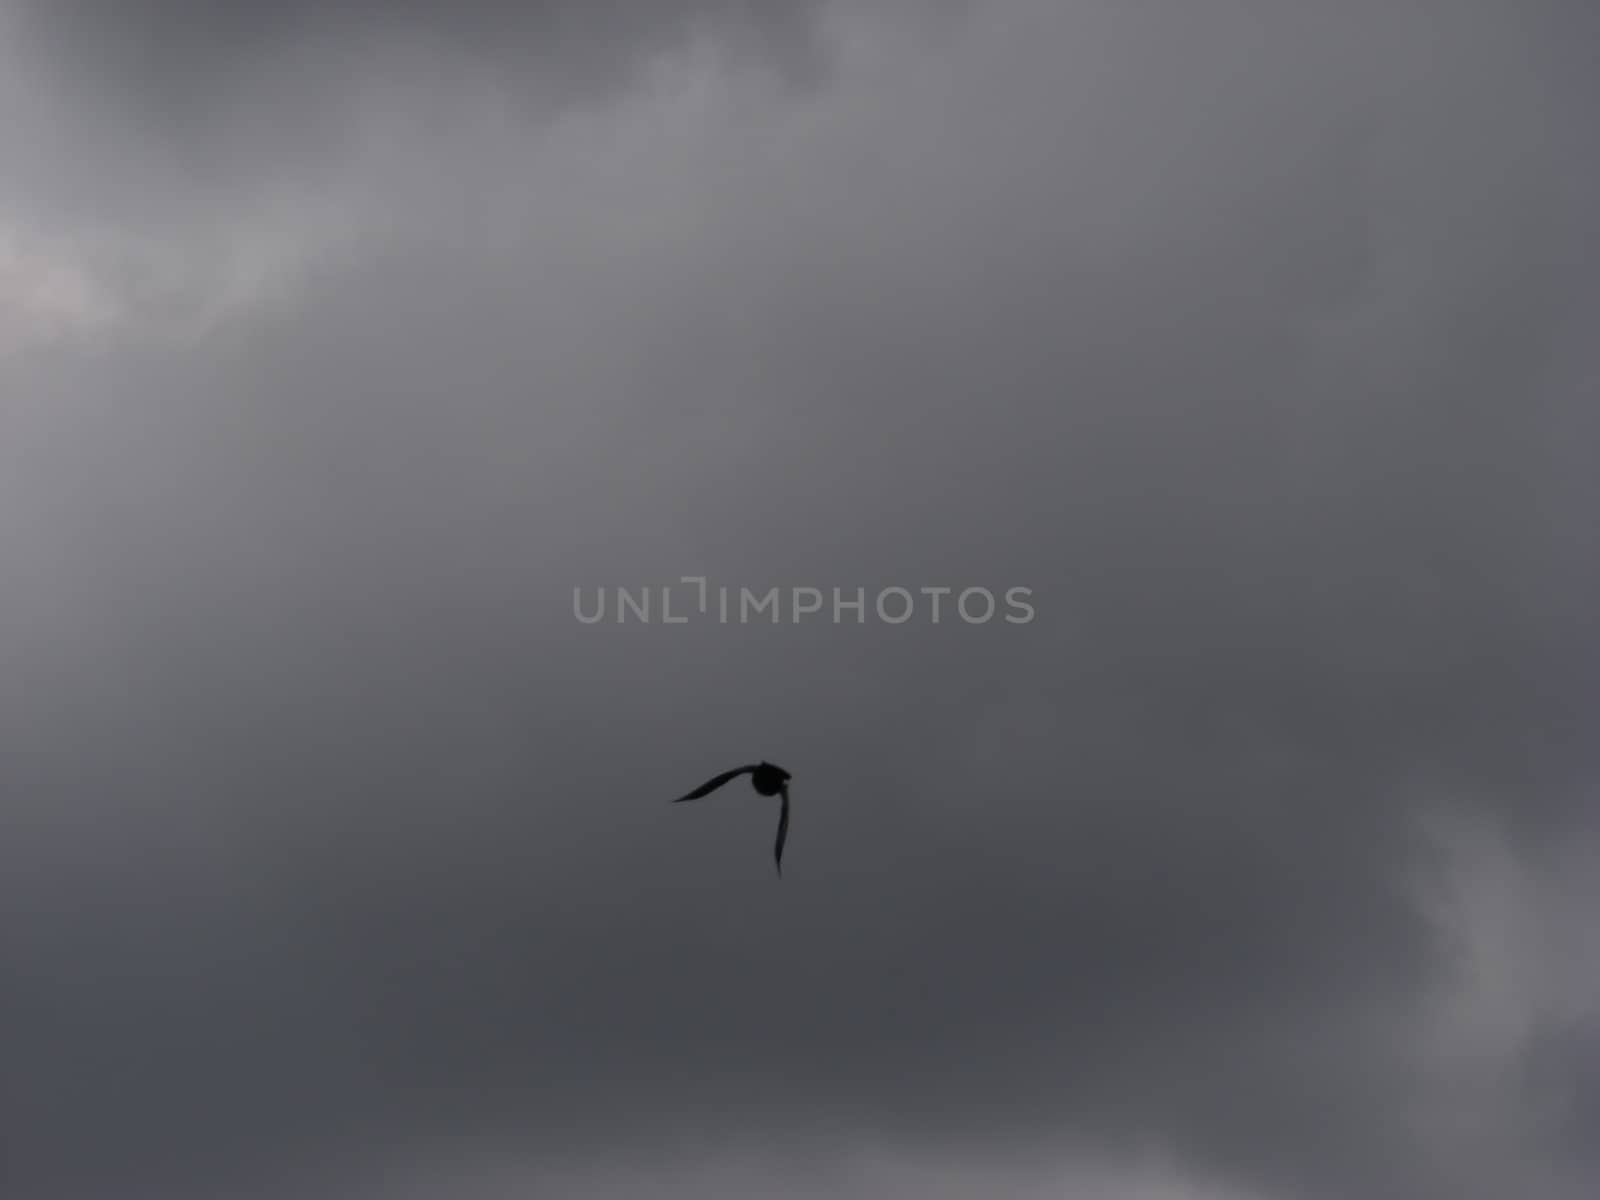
[
  {"x": 333, "y": 838},
  {"x": 197, "y": 105},
  {"x": 180, "y": 57}
]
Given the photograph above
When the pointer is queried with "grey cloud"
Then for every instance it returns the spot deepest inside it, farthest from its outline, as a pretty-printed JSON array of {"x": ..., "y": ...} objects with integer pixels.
[
  {"x": 207, "y": 106},
  {"x": 333, "y": 837},
  {"x": 180, "y": 57}
]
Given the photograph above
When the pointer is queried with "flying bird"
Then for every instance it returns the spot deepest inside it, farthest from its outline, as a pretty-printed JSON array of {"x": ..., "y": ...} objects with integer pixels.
[{"x": 768, "y": 780}]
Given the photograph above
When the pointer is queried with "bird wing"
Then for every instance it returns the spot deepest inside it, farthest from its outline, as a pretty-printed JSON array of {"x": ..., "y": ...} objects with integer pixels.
[
  {"x": 711, "y": 785},
  {"x": 783, "y": 828}
]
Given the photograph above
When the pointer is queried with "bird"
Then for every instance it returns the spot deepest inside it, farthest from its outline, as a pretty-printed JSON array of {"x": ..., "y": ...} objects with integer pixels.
[{"x": 768, "y": 779}]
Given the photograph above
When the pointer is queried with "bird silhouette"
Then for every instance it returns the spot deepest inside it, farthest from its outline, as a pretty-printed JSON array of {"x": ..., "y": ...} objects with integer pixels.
[{"x": 768, "y": 780}]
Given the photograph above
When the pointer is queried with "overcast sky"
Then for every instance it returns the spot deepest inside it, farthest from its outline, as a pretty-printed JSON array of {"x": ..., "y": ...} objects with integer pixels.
[{"x": 340, "y": 341}]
